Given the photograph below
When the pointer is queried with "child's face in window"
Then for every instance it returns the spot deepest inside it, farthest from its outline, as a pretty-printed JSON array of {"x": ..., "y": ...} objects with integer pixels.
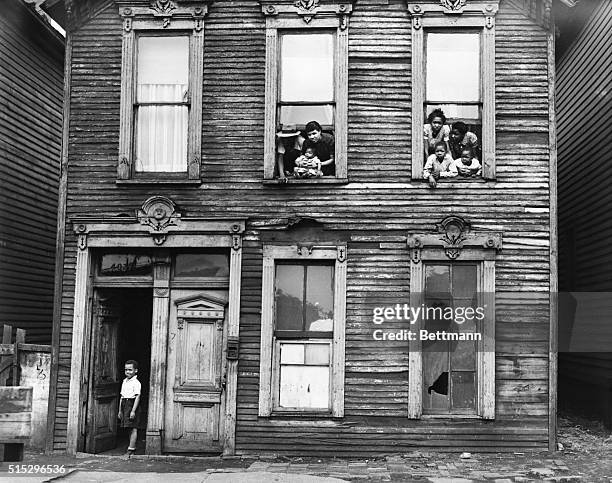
[
  {"x": 440, "y": 153},
  {"x": 309, "y": 153},
  {"x": 130, "y": 371},
  {"x": 436, "y": 124},
  {"x": 456, "y": 135},
  {"x": 466, "y": 157}
]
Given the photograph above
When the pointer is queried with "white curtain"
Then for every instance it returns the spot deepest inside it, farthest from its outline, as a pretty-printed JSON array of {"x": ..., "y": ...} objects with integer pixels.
[{"x": 161, "y": 131}]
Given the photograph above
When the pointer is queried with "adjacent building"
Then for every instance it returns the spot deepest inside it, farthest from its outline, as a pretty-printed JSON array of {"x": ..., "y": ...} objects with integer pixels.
[
  {"x": 31, "y": 95},
  {"x": 584, "y": 99}
]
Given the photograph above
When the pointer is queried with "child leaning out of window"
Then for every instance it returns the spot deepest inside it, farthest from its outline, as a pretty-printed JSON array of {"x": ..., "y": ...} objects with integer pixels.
[
  {"x": 439, "y": 165},
  {"x": 467, "y": 165}
]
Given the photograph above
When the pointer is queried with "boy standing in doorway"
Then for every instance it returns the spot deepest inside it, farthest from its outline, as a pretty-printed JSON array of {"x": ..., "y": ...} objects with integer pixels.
[{"x": 129, "y": 402}]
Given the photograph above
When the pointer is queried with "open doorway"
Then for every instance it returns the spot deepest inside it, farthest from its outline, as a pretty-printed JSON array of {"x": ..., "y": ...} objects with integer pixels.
[{"x": 121, "y": 331}]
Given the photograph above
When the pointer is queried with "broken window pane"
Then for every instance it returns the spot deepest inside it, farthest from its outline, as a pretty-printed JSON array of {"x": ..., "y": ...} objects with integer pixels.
[{"x": 446, "y": 386}]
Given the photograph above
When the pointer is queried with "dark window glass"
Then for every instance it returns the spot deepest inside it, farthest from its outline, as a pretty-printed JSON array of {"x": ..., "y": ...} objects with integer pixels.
[
  {"x": 201, "y": 265},
  {"x": 449, "y": 367},
  {"x": 125, "y": 264},
  {"x": 304, "y": 297}
]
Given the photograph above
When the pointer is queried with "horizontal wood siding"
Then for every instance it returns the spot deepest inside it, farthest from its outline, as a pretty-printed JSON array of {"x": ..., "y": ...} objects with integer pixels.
[
  {"x": 585, "y": 224},
  {"x": 31, "y": 79},
  {"x": 583, "y": 92},
  {"x": 380, "y": 203}
]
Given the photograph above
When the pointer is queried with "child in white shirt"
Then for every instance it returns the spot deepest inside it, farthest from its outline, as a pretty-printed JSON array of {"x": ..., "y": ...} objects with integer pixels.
[
  {"x": 467, "y": 165},
  {"x": 129, "y": 415},
  {"x": 439, "y": 165}
]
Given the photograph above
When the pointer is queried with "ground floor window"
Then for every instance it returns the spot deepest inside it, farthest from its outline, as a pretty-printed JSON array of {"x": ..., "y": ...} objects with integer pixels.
[{"x": 302, "y": 342}]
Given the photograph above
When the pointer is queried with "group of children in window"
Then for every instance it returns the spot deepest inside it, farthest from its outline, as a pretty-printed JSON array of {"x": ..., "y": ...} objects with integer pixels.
[{"x": 449, "y": 150}]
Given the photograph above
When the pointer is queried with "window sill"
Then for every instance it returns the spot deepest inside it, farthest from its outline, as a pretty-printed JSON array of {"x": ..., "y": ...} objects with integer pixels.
[
  {"x": 452, "y": 416},
  {"x": 159, "y": 181},
  {"x": 458, "y": 180},
  {"x": 302, "y": 415},
  {"x": 287, "y": 181}
]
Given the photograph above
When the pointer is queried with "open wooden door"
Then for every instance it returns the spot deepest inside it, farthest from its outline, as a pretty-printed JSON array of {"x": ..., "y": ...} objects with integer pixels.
[
  {"x": 105, "y": 381},
  {"x": 195, "y": 398}
]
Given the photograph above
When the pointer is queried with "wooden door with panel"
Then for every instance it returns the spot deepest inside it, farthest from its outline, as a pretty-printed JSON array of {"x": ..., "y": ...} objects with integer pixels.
[
  {"x": 195, "y": 395},
  {"x": 105, "y": 375}
]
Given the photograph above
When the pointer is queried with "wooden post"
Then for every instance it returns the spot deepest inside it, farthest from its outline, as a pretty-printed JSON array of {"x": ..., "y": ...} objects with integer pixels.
[
  {"x": 554, "y": 255},
  {"x": 60, "y": 244},
  {"x": 79, "y": 367},
  {"x": 159, "y": 342},
  {"x": 233, "y": 330},
  {"x": 6, "y": 339},
  {"x": 19, "y": 339}
]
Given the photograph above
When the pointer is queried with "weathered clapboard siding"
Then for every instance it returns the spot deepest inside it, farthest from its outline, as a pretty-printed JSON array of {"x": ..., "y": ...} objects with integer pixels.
[
  {"x": 31, "y": 62},
  {"x": 584, "y": 77},
  {"x": 379, "y": 202}
]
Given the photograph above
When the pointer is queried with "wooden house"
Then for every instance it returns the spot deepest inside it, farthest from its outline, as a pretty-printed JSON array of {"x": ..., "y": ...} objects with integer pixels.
[
  {"x": 585, "y": 269},
  {"x": 31, "y": 96},
  {"x": 273, "y": 315}
]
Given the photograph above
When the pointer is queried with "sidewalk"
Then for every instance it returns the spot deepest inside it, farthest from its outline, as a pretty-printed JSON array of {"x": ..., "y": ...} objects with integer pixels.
[{"x": 586, "y": 457}]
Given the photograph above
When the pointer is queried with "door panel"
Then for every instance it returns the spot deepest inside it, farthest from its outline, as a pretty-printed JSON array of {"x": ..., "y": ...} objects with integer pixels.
[
  {"x": 103, "y": 398},
  {"x": 194, "y": 383}
]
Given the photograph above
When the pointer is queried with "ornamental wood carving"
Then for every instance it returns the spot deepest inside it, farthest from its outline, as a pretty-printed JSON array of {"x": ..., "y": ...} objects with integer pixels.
[
  {"x": 158, "y": 213},
  {"x": 453, "y": 234}
]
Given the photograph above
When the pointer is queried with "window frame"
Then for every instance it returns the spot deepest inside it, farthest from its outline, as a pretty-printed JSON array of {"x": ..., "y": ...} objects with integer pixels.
[
  {"x": 269, "y": 371},
  {"x": 446, "y": 17},
  {"x": 164, "y": 19},
  {"x": 458, "y": 245},
  {"x": 479, "y": 344},
  {"x": 287, "y": 17}
]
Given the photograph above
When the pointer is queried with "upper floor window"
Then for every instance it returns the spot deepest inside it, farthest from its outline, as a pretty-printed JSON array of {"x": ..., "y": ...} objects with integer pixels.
[
  {"x": 161, "y": 94},
  {"x": 453, "y": 102},
  {"x": 307, "y": 79},
  {"x": 162, "y": 104},
  {"x": 306, "y": 91}
]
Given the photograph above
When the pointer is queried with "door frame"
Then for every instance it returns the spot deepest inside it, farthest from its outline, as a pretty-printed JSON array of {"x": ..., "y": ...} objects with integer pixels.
[{"x": 157, "y": 226}]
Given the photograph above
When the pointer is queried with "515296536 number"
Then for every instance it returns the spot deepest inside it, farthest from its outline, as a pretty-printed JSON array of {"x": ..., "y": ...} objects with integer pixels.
[{"x": 42, "y": 469}]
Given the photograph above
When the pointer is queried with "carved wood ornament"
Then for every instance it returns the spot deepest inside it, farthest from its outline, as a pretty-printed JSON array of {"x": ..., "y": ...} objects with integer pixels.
[
  {"x": 158, "y": 213},
  {"x": 164, "y": 11},
  {"x": 453, "y": 235},
  {"x": 308, "y": 9}
]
